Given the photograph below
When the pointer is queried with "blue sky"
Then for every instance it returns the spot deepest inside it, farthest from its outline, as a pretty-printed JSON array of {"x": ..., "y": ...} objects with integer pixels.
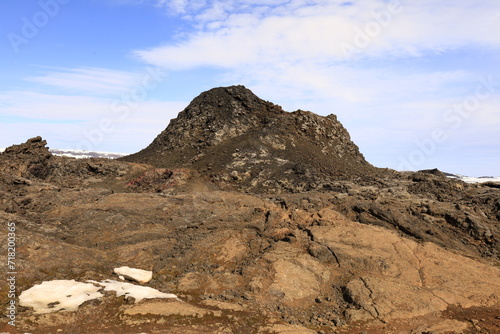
[{"x": 416, "y": 83}]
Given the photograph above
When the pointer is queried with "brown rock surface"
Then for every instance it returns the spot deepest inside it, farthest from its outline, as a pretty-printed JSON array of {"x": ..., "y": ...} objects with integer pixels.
[
  {"x": 404, "y": 279},
  {"x": 244, "y": 258}
]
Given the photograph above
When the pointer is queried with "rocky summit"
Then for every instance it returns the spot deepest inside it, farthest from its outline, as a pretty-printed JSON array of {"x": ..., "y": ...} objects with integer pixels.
[
  {"x": 254, "y": 145},
  {"x": 243, "y": 218}
]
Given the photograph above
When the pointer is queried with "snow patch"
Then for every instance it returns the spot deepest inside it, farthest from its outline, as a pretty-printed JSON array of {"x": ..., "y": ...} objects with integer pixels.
[
  {"x": 58, "y": 295},
  {"x": 131, "y": 290},
  {"x": 2, "y": 149},
  {"x": 68, "y": 295},
  {"x": 138, "y": 275}
]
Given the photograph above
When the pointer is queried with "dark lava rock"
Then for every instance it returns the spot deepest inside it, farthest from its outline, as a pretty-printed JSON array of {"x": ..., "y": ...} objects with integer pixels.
[
  {"x": 33, "y": 161},
  {"x": 30, "y": 159},
  {"x": 254, "y": 145},
  {"x": 434, "y": 171}
]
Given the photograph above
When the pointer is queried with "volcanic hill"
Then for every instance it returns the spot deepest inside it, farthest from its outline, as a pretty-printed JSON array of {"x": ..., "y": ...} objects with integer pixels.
[{"x": 234, "y": 136}]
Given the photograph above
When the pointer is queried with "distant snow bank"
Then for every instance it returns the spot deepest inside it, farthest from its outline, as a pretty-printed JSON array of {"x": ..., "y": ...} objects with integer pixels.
[
  {"x": 470, "y": 179},
  {"x": 80, "y": 154}
]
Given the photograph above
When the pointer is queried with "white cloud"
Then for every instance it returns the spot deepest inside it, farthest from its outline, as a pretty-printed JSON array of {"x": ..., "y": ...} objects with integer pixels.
[
  {"x": 55, "y": 107},
  {"x": 303, "y": 43},
  {"x": 181, "y": 6},
  {"x": 96, "y": 81},
  {"x": 303, "y": 28},
  {"x": 68, "y": 107},
  {"x": 76, "y": 121}
]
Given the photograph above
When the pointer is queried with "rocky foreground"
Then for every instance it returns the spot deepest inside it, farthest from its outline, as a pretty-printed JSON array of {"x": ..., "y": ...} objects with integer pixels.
[{"x": 317, "y": 252}]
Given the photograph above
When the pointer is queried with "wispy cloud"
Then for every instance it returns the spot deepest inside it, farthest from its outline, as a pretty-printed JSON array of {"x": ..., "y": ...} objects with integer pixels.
[
  {"x": 300, "y": 29},
  {"x": 89, "y": 80},
  {"x": 55, "y": 107},
  {"x": 69, "y": 106}
]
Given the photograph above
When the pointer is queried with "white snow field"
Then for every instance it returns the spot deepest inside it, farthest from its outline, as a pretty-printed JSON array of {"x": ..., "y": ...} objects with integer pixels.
[
  {"x": 68, "y": 295},
  {"x": 135, "y": 291},
  {"x": 58, "y": 295}
]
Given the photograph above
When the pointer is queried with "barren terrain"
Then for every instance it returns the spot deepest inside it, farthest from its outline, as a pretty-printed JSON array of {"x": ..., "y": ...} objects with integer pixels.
[{"x": 253, "y": 234}]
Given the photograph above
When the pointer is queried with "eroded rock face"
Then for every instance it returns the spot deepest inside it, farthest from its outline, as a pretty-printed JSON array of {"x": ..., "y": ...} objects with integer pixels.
[
  {"x": 431, "y": 208},
  {"x": 250, "y": 144},
  {"x": 430, "y": 277}
]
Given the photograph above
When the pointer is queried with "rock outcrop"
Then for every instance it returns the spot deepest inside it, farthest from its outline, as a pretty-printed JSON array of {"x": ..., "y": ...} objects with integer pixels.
[
  {"x": 254, "y": 145},
  {"x": 30, "y": 159}
]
